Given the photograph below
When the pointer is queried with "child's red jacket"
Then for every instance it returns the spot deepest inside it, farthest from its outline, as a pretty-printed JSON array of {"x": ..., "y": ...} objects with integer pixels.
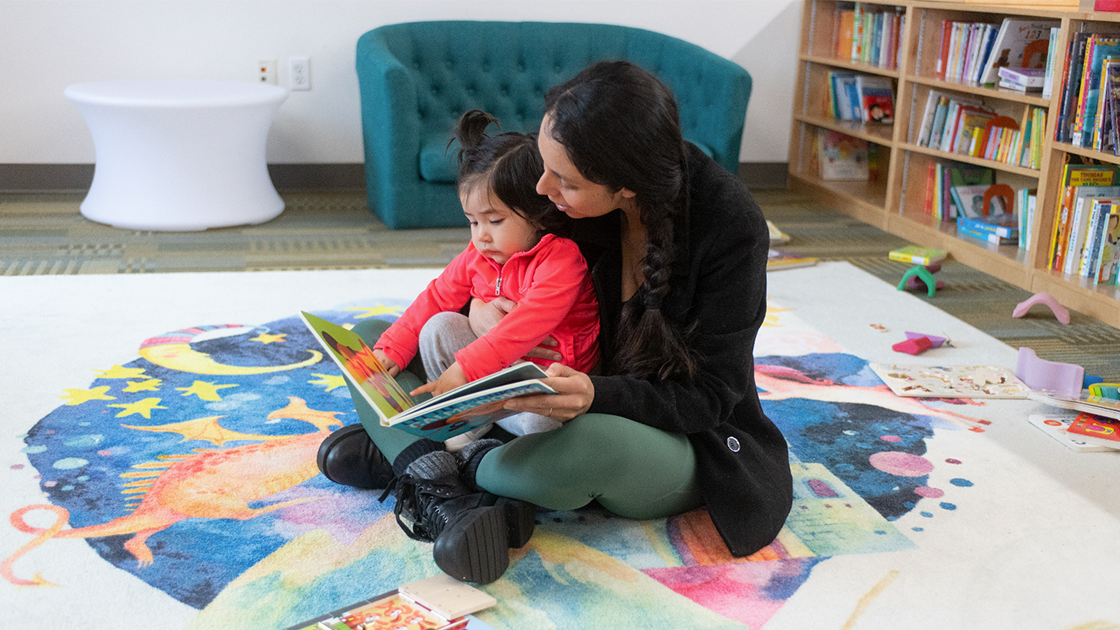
[{"x": 554, "y": 296}]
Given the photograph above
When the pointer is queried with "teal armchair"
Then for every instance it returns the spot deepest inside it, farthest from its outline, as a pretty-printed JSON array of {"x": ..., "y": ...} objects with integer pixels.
[{"x": 416, "y": 79}]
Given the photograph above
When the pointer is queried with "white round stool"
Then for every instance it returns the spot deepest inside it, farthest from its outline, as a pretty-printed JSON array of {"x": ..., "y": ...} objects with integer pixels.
[{"x": 179, "y": 155}]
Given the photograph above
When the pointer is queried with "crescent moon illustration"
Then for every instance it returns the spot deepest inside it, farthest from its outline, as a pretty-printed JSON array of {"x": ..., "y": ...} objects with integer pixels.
[{"x": 173, "y": 351}]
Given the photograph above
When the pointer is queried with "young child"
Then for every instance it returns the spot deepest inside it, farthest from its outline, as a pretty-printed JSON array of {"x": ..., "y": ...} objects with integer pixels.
[{"x": 516, "y": 253}]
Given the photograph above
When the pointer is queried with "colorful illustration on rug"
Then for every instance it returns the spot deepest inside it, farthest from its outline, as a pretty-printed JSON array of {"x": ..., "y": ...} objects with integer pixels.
[{"x": 193, "y": 468}]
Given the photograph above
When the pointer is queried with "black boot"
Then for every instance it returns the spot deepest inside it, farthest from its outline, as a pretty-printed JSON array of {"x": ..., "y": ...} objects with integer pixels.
[
  {"x": 349, "y": 457},
  {"x": 472, "y": 531}
]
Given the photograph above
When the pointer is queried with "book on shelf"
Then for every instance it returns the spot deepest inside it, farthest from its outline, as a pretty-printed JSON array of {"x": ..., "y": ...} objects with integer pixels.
[
  {"x": 841, "y": 157},
  {"x": 1048, "y": 79},
  {"x": 1079, "y": 220},
  {"x": 1108, "y": 261},
  {"x": 1020, "y": 43},
  {"x": 777, "y": 259},
  {"x": 1096, "y": 430},
  {"x": 842, "y": 96},
  {"x": 1099, "y": 48},
  {"x": 868, "y": 34},
  {"x": 1090, "y": 259},
  {"x": 462, "y": 409},
  {"x": 876, "y": 98},
  {"x": 1073, "y": 177},
  {"x": 1022, "y": 79},
  {"x": 1107, "y": 139},
  {"x": 437, "y": 603},
  {"x": 918, "y": 255},
  {"x": 1056, "y": 425},
  {"x": 1025, "y": 201},
  {"x": 969, "y": 200},
  {"x": 1005, "y": 225},
  {"x": 970, "y": 123}
]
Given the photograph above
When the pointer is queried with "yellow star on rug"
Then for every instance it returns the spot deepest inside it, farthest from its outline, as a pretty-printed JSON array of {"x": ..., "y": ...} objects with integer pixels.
[
  {"x": 150, "y": 385},
  {"x": 143, "y": 407},
  {"x": 267, "y": 338},
  {"x": 79, "y": 396},
  {"x": 331, "y": 381},
  {"x": 204, "y": 390},
  {"x": 118, "y": 371}
]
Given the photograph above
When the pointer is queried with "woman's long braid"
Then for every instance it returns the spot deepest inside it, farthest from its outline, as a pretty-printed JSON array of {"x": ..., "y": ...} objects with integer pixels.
[{"x": 651, "y": 345}]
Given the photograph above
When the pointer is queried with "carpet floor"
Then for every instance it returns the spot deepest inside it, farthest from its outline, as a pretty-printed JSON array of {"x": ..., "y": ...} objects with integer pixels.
[
  {"x": 44, "y": 234},
  {"x": 176, "y": 489}
]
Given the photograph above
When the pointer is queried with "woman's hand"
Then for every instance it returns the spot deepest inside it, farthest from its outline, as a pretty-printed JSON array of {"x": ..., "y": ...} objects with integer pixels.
[
  {"x": 390, "y": 366},
  {"x": 451, "y": 378},
  {"x": 575, "y": 391},
  {"x": 485, "y": 315}
]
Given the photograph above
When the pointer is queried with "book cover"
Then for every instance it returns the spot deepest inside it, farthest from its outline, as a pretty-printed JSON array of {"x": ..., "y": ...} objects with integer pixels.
[
  {"x": 1057, "y": 426},
  {"x": 918, "y": 255},
  {"x": 876, "y": 98},
  {"x": 1028, "y": 77},
  {"x": 439, "y": 418},
  {"x": 842, "y": 157},
  {"x": 970, "y": 201},
  {"x": 777, "y": 259},
  {"x": 951, "y": 381},
  {"x": 437, "y": 603},
  {"x": 1096, "y": 430},
  {"x": 971, "y": 119},
  {"x": 1014, "y": 36},
  {"x": 1003, "y": 225}
]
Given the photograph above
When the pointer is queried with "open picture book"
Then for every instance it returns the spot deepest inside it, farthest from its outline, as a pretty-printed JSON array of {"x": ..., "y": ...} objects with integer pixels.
[{"x": 464, "y": 408}]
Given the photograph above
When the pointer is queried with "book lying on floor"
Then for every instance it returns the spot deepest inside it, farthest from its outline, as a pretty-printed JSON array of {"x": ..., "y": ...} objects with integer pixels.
[
  {"x": 777, "y": 236},
  {"x": 918, "y": 255},
  {"x": 777, "y": 259},
  {"x": 1056, "y": 425},
  {"x": 1097, "y": 430},
  {"x": 464, "y": 408},
  {"x": 951, "y": 381},
  {"x": 1107, "y": 407},
  {"x": 437, "y": 603}
]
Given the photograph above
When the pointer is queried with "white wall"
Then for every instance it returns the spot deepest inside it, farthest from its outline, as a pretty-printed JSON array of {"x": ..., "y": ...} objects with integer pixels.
[{"x": 46, "y": 45}]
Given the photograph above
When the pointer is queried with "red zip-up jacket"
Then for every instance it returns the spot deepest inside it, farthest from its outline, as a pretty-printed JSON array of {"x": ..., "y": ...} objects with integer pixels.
[{"x": 554, "y": 294}]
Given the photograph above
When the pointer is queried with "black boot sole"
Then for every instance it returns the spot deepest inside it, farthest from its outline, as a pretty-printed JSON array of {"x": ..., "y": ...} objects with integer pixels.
[
  {"x": 474, "y": 547},
  {"x": 521, "y": 519}
]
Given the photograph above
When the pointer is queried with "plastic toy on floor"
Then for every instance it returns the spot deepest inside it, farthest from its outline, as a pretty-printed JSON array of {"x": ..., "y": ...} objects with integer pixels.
[
  {"x": 1040, "y": 374},
  {"x": 1042, "y": 298},
  {"x": 917, "y": 343},
  {"x": 919, "y": 274}
]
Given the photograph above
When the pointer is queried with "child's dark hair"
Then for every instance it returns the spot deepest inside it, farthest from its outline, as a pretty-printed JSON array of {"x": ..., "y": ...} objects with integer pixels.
[{"x": 509, "y": 165}]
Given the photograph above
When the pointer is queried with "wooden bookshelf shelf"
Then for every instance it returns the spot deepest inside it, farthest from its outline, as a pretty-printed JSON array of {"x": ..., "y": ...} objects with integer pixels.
[{"x": 895, "y": 200}]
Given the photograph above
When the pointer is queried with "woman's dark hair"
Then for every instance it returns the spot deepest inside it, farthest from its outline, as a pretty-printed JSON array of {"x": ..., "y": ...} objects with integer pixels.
[
  {"x": 620, "y": 128},
  {"x": 509, "y": 165}
]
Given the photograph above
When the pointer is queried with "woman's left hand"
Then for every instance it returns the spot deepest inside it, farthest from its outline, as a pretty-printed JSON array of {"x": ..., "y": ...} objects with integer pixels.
[{"x": 575, "y": 391}]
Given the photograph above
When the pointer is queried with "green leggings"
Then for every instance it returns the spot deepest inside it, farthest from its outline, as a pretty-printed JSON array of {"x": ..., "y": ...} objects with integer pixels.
[{"x": 631, "y": 469}]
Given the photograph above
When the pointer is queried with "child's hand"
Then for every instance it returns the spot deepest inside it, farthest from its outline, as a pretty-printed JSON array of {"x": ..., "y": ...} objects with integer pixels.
[
  {"x": 485, "y": 315},
  {"x": 451, "y": 378},
  {"x": 390, "y": 366}
]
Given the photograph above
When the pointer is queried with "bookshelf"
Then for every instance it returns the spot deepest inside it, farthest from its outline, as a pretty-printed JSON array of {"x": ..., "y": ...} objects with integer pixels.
[{"x": 895, "y": 200}]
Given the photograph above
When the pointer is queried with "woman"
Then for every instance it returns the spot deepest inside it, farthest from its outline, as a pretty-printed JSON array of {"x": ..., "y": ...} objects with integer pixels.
[{"x": 672, "y": 421}]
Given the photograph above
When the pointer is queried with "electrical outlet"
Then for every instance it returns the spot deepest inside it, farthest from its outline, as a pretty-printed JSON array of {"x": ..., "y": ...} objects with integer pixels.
[
  {"x": 299, "y": 73},
  {"x": 266, "y": 71}
]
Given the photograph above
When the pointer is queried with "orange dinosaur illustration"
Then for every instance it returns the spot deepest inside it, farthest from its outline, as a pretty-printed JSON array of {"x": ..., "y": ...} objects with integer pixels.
[{"x": 208, "y": 484}]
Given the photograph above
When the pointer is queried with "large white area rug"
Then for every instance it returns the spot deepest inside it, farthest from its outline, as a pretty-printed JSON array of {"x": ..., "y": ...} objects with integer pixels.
[{"x": 124, "y": 396}]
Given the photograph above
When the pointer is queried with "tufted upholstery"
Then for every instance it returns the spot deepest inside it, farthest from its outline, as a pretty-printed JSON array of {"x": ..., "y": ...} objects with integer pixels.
[{"x": 417, "y": 78}]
